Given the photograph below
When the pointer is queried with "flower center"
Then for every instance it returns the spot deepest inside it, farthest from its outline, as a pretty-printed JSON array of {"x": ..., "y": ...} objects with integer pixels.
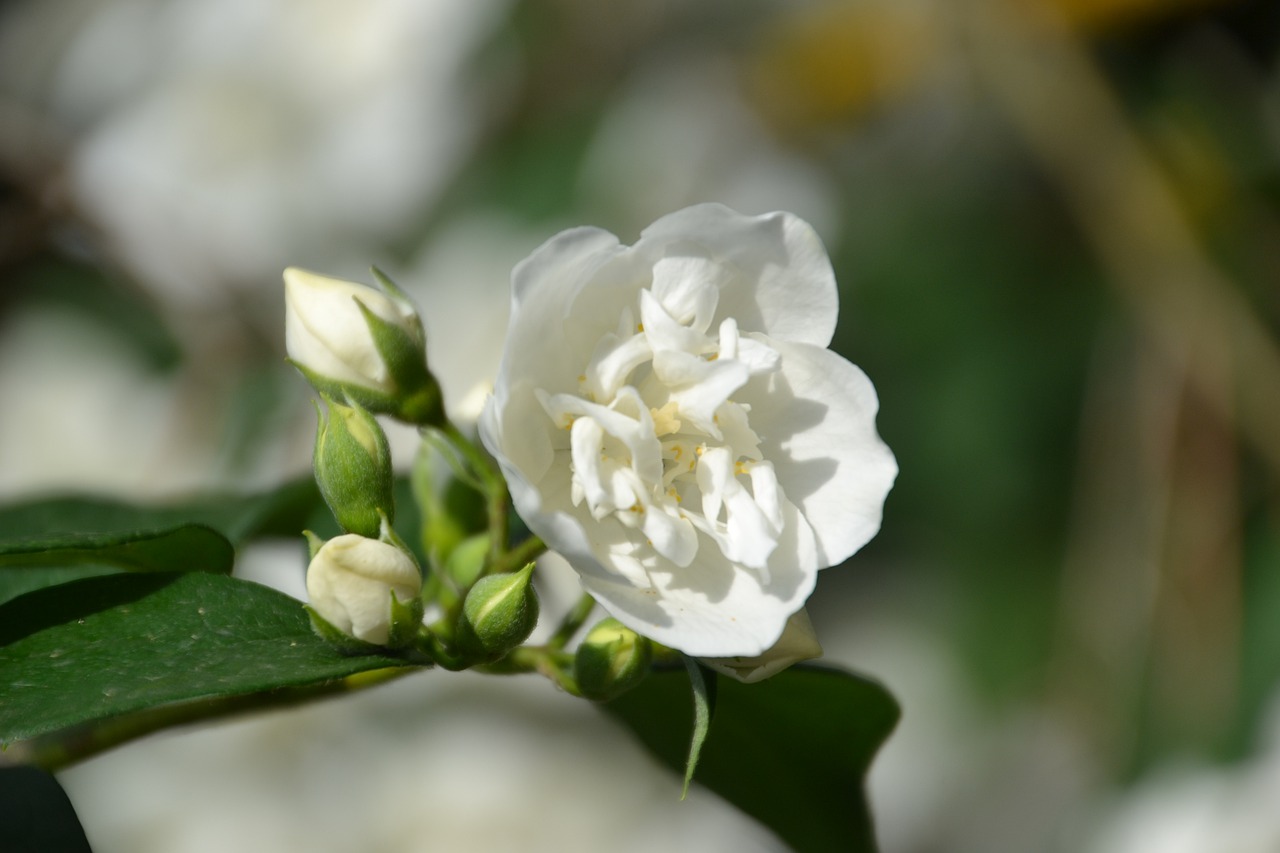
[{"x": 655, "y": 440}]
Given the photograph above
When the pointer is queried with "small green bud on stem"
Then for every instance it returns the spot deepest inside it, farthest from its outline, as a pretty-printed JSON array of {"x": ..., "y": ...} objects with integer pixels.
[
  {"x": 611, "y": 660},
  {"x": 498, "y": 614},
  {"x": 353, "y": 468}
]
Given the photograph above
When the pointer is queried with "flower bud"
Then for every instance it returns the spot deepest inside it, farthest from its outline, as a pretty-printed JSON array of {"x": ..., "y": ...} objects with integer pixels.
[
  {"x": 798, "y": 642},
  {"x": 611, "y": 660},
  {"x": 365, "y": 588},
  {"x": 498, "y": 614},
  {"x": 353, "y": 468},
  {"x": 353, "y": 341}
]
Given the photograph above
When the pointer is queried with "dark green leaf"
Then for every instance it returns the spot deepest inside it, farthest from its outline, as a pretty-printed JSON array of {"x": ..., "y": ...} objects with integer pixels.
[
  {"x": 14, "y": 584},
  {"x": 791, "y": 751},
  {"x": 32, "y": 562},
  {"x": 187, "y": 548},
  {"x": 283, "y": 511},
  {"x": 106, "y": 646}
]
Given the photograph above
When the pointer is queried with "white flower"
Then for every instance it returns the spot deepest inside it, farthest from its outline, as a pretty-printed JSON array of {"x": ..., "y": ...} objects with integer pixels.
[
  {"x": 351, "y": 580},
  {"x": 797, "y": 643},
  {"x": 327, "y": 334},
  {"x": 669, "y": 419}
]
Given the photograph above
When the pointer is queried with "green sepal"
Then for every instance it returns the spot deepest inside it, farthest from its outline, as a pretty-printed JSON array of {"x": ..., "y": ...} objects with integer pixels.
[
  {"x": 418, "y": 399},
  {"x": 371, "y": 399},
  {"x": 703, "y": 682},
  {"x": 395, "y": 292},
  {"x": 499, "y": 613},
  {"x": 314, "y": 544},
  {"x": 406, "y": 621}
]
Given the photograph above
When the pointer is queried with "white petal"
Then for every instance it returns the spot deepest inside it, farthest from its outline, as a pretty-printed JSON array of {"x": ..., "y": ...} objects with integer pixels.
[
  {"x": 543, "y": 288},
  {"x": 688, "y": 289},
  {"x": 586, "y": 438},
  {"x": 783, "y": 284},
  {"x": 711, "y": 608},
  {"x": 670, "y": 535},
  {"x": 612, "y": 362},
  {"x": 816, "y": 420},
  {"x": 663, "y": 332},
  {"x": 747, "y": 536},
  {"x": 699, "y": 387}
]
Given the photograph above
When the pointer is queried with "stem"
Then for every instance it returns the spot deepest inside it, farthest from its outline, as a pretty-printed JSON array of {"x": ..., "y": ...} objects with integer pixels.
[
  {"x": 572, "y": 622},
  {"x": 58, "y": 750},
  {"x": 550, "y": 663},
  {"x": 495, "y": 487},
  {"x": 518, "y": 556}
]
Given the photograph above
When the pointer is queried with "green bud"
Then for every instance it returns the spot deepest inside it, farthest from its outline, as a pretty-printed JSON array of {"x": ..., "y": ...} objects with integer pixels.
[
  {"x": 498, "y": 614},
  {"x": 353, "y": 468},
  {"x": 611, "y": 660}
]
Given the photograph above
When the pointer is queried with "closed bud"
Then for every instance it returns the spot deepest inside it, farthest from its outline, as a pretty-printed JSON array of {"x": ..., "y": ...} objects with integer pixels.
[
  {"x": 366, "y": 589},
  {"x": 353, "y": 468},
  {"x": 611, "y": 660},
  {"x": 351, "y": 340},
  {"x": 499, "y": 613}
]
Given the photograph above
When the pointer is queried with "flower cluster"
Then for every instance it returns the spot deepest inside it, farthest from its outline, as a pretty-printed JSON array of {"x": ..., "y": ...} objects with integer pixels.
[{"x": 667, "y": 416}]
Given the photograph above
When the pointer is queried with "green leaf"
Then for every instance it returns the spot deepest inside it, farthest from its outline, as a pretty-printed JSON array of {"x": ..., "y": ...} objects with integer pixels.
[
  {"x": 791, "y": 751},
  {"x": 29, "y": 563},
  {"x": 281, "y": 511},
  {"x": 56, "y": 540},
  {"x": 703, "y": 683},
  {"x": 106, "y": 646},
  {"x": 189, "y": 548}
]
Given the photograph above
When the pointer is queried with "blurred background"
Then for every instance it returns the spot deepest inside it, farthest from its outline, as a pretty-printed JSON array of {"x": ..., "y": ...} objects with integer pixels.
[{"x": 1056, "y": 225}]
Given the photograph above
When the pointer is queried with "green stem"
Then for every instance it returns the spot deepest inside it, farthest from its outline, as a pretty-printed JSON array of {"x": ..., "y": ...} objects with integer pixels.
[
  {"x": 518, "y": 556},
  {"x": 61, "y": 749},
  {"x": 572, "y": 622},
  {"x": 495, "y": 487},
  {"x": 551, "y": 663}
]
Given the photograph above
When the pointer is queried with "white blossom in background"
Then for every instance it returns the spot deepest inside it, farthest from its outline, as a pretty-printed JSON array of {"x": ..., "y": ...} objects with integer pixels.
[
  {"x": 83, "y": 412},
  {"x": 1195, "y": 808},
  {"x": 681, "y": 132},
  {"x": 214, "y": 142},
  {"x": 669, "y": 420},
  {"x": 461, "y": 281}
]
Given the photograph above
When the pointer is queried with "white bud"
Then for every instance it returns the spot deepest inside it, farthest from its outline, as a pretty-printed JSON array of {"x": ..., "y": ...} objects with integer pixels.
[
  {"x": 350, "y": 583},
  {"x": 327, "y": 334},
  {"x": 798, "y": 642}
]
